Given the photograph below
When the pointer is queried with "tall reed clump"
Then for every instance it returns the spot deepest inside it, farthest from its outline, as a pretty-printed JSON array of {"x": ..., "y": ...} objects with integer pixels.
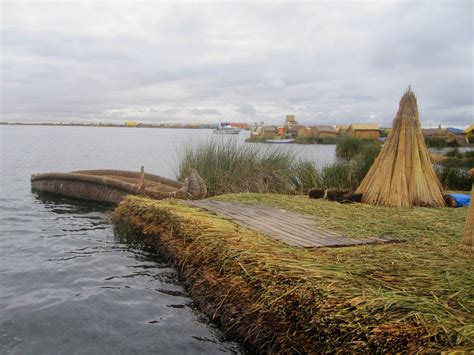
[
  {"x": 229, "y": 167},
  {"x": 348, "y": 174},
  {"x": 348, "y": 147},
  {"x": 452, "y": 170},
  {"x": 315, "y": 140}
]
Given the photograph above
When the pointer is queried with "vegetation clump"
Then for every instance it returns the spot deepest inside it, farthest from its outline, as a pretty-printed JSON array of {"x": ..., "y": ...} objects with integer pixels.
[
  {"x": 452, "y": 170},
  {"x": 348, "y": 146},
  {"x": 439, "y": 142},
  {"x": 229, "y": 167},
  {"x": 412, "y": 296},
  {"x": 256, "y": 139},
  {"x": 356, "y": 157},
  {"x": 315, "y": 140}
]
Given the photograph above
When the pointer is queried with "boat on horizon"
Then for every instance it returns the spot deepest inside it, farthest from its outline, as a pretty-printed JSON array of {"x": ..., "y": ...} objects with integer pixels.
[
  {"x": 280, "y": 141},
  {"x": 226, "y": 130}
]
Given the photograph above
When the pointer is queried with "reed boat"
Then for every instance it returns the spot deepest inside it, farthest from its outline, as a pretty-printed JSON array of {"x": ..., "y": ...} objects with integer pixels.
[
  {"x": 112, "y": 186},
  {"x": 280, "y": 141}
]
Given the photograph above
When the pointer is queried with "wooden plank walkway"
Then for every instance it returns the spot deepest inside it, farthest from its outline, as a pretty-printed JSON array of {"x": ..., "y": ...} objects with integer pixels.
[{"x": 291, "y": 228}]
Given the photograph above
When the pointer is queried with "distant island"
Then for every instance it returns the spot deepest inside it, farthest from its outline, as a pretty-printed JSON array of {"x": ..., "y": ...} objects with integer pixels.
[{"x": 126, "y": 124}]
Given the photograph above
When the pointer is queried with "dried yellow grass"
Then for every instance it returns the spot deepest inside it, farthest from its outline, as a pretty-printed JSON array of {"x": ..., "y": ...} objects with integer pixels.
[
  {"x": 402, "y": 174},
  {"x": 407, "y": 297},
  {"x": 467, "y": 243}
]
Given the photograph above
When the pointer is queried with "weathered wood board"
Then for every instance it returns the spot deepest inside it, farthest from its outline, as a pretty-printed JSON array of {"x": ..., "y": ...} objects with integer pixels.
[{"x": 291, "y": 228}]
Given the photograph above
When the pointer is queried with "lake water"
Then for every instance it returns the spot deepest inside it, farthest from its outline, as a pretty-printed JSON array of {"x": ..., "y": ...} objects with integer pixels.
[{"x": 68, "y": 285}]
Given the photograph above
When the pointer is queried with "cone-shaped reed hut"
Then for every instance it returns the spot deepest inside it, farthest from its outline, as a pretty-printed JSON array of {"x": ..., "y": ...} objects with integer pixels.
[
  {"x": 403, "y": 175},
  {"x": 468, "y": 240}
]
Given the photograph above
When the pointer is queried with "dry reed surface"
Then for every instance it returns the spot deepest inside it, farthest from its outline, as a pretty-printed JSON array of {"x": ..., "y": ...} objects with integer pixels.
[
  {"x": 413, "y": 296},
  {"x": 468, "y": 240},
  {"x": 402, "y": 174}
]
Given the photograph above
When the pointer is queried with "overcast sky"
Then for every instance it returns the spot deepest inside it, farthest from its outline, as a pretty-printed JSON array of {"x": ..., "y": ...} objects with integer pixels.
[{"x": 325, "y": 62}]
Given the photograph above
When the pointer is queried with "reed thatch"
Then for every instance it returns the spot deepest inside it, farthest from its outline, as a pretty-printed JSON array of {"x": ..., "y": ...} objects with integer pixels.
[
  {"x": 467, "y": 243},
  {"x": 403, "y": 175}
]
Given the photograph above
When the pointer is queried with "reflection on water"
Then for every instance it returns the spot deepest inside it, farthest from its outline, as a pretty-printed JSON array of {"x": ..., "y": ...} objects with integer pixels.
[
  {"x": 67, "y": 283},
  {"x": 70, "y": 285},
  {"x": 60, "y": 205}
]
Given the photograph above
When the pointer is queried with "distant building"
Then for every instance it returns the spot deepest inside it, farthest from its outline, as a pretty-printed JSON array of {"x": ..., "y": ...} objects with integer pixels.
[
  {"x": 268, "y": 132},
  {"x": 469, "y": 131},
  {"x": 297, "y": 131},
  {"x": 290, "y": 120},
  {"x": 130, "y": 123},
  {"x": 366, "y": 131},
  {"x": 439, "y": 133},
  {"x": 342, "y": 129},
  {"x": 460, "y": 137},
  {"x": 323, "y": 131},
  {"x": 293, "y": 129}
]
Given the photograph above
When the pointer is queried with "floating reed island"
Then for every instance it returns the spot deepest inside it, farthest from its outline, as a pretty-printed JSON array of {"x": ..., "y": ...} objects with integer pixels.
[
  {"x": 292, "y": 274},
  {"x": 111, "y": 186},
  {"x": 415, "y": 295}
]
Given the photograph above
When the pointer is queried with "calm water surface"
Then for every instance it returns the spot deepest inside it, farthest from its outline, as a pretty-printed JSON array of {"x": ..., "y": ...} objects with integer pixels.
[{"x": 68, "y": 285}]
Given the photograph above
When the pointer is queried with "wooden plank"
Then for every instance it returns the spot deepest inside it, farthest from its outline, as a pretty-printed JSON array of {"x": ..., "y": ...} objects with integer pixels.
[
  {"x": 309, "y": 232},
  {"x": 268, "y": 224},
  {"x": 309, "y": 227},
  {"x": 291, "y": 228},
  {"x": 311, "y": 241},
  {"x": 266, "y": 228}
]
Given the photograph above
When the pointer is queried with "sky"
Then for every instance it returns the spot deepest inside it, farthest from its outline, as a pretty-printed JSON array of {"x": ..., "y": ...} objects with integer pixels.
[{"x": 205, "y": 62}]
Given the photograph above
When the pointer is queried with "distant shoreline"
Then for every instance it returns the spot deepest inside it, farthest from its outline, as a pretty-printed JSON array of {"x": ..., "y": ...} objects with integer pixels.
[{"x": 108, "y": 125}]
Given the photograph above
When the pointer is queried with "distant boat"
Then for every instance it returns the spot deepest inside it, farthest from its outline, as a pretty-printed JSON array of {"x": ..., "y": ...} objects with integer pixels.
[
  {"x": 286, "y": 140},
  {"x": 226, "y": 130}
]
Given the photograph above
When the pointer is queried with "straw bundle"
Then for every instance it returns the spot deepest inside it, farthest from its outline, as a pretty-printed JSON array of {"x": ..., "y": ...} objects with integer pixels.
[
  {"x": 402, "y": 174},
  {"x": 468, "y": 240}
]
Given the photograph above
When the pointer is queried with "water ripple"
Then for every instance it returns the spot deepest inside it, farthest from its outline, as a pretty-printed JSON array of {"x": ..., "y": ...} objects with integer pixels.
[{"x": 68, "y": 284}]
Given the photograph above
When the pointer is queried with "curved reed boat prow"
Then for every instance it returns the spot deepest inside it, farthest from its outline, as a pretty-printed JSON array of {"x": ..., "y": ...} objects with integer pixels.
[{"x": 112, "y": 186}]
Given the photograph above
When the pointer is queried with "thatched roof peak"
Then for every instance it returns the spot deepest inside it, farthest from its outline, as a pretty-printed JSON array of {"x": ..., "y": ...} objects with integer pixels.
[{"x": 408, "y": 108}]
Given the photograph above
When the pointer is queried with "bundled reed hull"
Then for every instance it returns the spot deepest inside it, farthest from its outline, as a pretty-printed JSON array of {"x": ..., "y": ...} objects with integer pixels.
[
  {"x": 403, "y": 175},
  {"x": 111, "y": 186},
  {"x": 80, "y": 190}
]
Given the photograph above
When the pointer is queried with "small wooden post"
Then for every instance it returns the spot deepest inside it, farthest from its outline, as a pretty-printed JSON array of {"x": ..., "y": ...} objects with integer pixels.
[
  {"x": 467, "y": 243},
  {"x": 141, "y": 185}
]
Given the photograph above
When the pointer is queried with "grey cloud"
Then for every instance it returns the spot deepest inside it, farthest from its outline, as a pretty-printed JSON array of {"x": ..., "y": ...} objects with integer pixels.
[
  {"x": 247, "y": 109},
  {"x": 325, "y": 62},
  {"x": 203, "y": 112}
]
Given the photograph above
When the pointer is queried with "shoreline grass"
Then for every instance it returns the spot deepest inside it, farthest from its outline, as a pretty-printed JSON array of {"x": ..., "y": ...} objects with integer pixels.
[
  {"x": 414, "y": 296},
  {"x": 228, "y": 167}
]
